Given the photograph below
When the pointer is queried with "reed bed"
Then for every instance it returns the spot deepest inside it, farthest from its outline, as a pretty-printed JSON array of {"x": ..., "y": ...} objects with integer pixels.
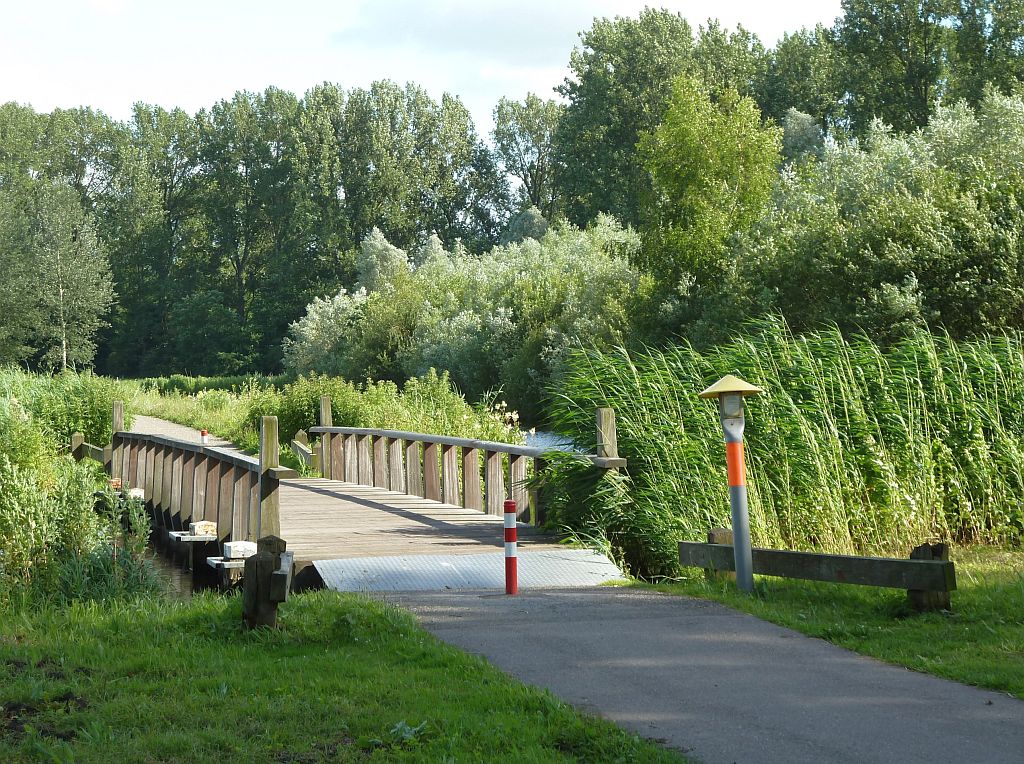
[{"x": 853, "y": 448}]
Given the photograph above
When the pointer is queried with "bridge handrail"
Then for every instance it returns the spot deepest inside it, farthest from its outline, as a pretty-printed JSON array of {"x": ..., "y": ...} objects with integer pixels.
[
  {"x": 476, "y": 474},
  {"x": 530, "y": 452},
  {"x": 184, "y": 482}
]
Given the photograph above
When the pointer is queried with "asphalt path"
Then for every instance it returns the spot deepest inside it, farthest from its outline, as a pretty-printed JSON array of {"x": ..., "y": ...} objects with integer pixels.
[{"x": 723, "y": 686}]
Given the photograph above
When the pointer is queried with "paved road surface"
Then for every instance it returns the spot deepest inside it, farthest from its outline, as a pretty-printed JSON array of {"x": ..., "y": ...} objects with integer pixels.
[{"x": 723, "y": 686}]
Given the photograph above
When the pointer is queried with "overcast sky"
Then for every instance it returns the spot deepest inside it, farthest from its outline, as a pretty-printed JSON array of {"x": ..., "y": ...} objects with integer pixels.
[{"x": 109, "y": 54}]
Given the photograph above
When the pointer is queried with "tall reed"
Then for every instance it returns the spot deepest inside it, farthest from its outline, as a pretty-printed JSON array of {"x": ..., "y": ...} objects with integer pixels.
[{"x": 853, "y": 448}]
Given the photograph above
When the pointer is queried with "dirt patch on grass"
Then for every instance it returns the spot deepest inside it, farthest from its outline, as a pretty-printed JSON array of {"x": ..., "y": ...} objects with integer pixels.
[
  {"x": 17, "y": 716},
  {"x": 322, "y": 753}
]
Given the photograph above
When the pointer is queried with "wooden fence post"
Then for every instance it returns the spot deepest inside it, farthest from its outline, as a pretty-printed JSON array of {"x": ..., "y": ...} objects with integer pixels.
[
  {"x": 117, "y": 417},
  {"x": 326, "y": 420},
  {"x": 77, "y": 440},
  {"x": 607, "y": 440},
  {"x": 923, "y": 600},
  {"x": 266, "y": 582},
  {"x": 720, "y": 536},
  {"x": 270, "y": 457}
]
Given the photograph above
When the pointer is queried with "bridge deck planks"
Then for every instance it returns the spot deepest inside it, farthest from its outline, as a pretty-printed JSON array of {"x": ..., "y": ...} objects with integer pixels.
[{"x": 330, "y": 520}]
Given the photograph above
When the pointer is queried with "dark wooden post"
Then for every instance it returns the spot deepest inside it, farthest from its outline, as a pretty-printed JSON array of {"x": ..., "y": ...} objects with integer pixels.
[
  {"x": 270, "y": 457},
  {"x": 494, "y": 483},
  {"x": 450, "y": 474},
  {"x": 922, "y": 600},
  {"x": 720, "y": 536},
  {"x": 326, "y": 419},
  {"x": 516, "y": 479},
  {"x": 266, "y": 582}
]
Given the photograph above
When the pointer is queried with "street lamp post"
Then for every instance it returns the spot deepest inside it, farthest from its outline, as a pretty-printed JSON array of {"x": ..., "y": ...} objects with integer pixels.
[{"x": 730, "y": 391}]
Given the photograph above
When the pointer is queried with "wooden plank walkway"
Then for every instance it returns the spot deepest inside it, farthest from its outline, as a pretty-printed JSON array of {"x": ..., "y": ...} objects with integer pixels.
[
  {"x": 330, "y": 520},
  {"x": 333, "y": 520}
]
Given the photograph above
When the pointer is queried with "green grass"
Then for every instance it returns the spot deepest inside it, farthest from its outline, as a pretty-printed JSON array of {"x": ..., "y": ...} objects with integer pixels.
[
  {"x": 981, "y": 642},
  {"x": 343, "y": 679}
]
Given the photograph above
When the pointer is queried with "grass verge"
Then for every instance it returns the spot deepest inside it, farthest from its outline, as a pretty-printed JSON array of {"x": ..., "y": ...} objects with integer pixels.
[
  {"x": 343, "y": 679},
  {"x": 981, "y": 642}
]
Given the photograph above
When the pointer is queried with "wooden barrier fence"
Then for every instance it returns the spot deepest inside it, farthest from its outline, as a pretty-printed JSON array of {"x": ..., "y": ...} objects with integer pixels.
[
  {"x": 474, "y": 474},
  {"x": 928, "y": 576}
]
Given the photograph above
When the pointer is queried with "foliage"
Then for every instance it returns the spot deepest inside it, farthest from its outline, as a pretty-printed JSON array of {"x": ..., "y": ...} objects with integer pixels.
[
  {"x": 802, "y": 73},
  {"x": 852, "y": 449},
  {"x": 895, "y": 232},
  {"x": 68, "y": 402},
  {"x": 713, "y": 166},
  {"x": 53, "y": 545},
  {"x": 975, "y": 644},
  {"x": 524, "y": 136},
  {"x": 508, "y": 318},
  {"x": 618, "y": 88},
  {"x": 92, "y": 684},
  {"x": 55, "y": 280},
  {"x": 892, "y": 60},
  {"x": 188, "y": 385},
  {"x": 425, "y": 404}
]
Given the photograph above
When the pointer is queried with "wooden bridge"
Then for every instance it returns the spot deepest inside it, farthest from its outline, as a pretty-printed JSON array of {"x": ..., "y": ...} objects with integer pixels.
[{"x": 379, "y": 494}]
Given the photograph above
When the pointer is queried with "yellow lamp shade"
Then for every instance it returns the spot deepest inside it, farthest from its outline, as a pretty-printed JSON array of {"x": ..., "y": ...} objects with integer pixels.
[{"x": 730, "y": 384}]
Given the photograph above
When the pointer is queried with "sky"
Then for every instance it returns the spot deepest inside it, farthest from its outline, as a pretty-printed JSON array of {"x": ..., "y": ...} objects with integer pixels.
[{"x": 110, "y": 54}]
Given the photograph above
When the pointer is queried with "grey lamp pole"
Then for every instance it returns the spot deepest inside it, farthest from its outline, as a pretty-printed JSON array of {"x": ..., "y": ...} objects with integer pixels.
[{"x": 730, "y": 391}]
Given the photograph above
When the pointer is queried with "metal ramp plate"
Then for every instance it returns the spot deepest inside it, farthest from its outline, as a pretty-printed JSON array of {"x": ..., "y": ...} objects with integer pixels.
[{"x": 437, "y": 572}]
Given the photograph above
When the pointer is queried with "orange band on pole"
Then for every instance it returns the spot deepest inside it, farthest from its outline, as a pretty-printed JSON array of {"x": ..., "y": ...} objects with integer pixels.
[{"x": 734, "y": 461}]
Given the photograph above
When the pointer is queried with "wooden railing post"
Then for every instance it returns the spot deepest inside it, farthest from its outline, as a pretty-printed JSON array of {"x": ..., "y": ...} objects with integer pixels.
[
  {"x": 270, "y": 457},
  {"x": 607, "y": 440},
  {"x": 77, "y": 441},
  {"x": 472, "y": 496},
  {"x": 117, "y": 469},
  {"x": 450, "y": 475},
  {"x": 494, "y": 483},
  {"x": 117, "y": 417},
  {"x": 325, "y": 438}
]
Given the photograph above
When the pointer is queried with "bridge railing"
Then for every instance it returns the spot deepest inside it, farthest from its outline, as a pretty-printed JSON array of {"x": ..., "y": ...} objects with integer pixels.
[
  {"x": 183, "y": 482},
  {"x": 475, "y": 474}
]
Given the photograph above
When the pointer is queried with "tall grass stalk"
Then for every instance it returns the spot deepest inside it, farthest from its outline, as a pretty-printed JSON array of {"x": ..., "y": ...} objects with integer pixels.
[{"x": 852, "y": 449}]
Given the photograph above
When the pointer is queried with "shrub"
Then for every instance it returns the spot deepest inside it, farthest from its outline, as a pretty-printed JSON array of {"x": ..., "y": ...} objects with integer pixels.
[{"x": 505, "y": 320}]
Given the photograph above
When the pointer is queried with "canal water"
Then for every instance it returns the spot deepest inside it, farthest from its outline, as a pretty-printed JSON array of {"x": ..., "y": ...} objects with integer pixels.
[{"x": 177, "y": 582}]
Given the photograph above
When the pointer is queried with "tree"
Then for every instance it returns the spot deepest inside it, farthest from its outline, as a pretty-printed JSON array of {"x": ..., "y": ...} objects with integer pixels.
[
  {"x": 893, "y": 57},
  {"x": 157, "y": 236},
  {"x": 619, "y": 85},
  {"x": 55, "y": 280},
  {"x": 713, "y": 166},
  {"x": 524, "y": 135},
  {"x": 802, "y": 74},
  {"x": 988, "y": 48},
  {"x": 725, "y": 60},
  {"x": 20, "y": 312},
  {"x": 802, "y": 136}
]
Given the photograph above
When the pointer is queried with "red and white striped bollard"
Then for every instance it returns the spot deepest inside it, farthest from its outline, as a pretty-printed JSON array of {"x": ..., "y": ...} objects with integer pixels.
[{"x": 511, "y": 538}]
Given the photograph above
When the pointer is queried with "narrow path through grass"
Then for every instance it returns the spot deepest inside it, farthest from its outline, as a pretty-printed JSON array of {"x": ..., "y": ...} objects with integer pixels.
[{"x": 981, "y": 642}]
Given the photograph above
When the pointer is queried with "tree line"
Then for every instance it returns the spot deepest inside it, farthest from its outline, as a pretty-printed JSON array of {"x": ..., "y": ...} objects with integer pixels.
[{"x": 200, "y": 239}]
